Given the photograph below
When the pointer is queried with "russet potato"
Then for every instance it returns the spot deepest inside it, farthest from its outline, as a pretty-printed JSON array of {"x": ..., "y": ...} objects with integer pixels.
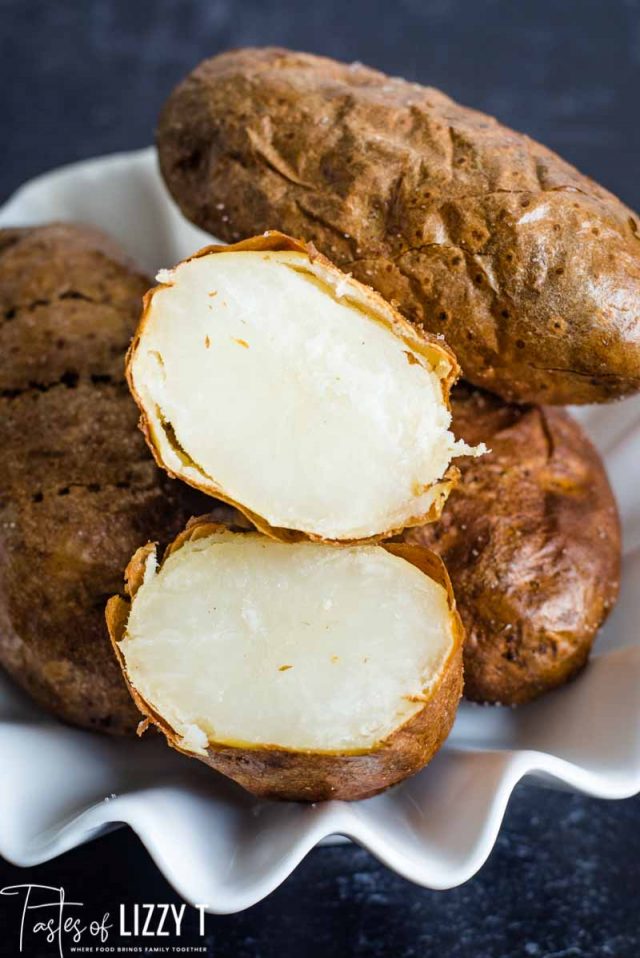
[
  {"x": 78, "y": 490},
  {"x": 531, "y": 540},
  {"x": 303, "y": 671},
  {"x": 529, "y": 268},
  {"x": 269, "y": 379}
]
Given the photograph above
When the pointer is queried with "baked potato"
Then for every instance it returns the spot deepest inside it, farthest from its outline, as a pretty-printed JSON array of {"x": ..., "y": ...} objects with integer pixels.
[
  {"x": 78, "y": 490},
  {"x": 303, "y": 671},
  {"x": 529, "y": 269},
  {"x": 269, "y": 379},
  {"x": 531, "y": 540}
]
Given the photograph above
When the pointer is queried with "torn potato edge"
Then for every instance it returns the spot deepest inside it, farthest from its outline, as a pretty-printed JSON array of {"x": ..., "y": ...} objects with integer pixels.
[
  {"x": 435, "y": 351},
  {"x": 271, "y": 771}
]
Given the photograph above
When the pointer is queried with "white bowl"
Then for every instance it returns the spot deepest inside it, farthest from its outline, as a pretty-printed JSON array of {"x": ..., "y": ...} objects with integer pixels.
[{"x": 216, "y": 844}]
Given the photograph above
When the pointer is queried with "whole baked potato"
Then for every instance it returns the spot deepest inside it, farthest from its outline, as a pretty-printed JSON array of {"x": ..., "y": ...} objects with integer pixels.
[
  {"x": 529, "y": 269},
  {"x": 531, "y": 540},
  {"x": 78, "y": 489}
]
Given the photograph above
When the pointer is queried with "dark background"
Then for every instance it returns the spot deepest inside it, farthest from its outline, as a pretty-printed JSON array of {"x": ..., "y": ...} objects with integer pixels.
[{"x": 84, "y": 77}]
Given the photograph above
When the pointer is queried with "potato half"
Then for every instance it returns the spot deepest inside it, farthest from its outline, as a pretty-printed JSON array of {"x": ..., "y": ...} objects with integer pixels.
[
  {"x": 269, "y": 379},
  {"x": 303, "y": 671},
  {"x": 531, "y": 539}
]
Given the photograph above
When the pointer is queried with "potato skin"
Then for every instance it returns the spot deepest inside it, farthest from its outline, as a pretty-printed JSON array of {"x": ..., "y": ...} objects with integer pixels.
[
  {"x": 78, "y": 489},
  {"x": 529, "y": 269},
  {"x": 306, "y": 776},
  {"x": 531, "y": 539}
]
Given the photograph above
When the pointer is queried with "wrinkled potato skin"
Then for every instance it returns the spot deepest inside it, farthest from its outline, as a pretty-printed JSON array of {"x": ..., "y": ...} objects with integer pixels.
[
  {"x": 531, "y": 540},
  {"x": 78, "y": 489},
  {"x": 278, "y": 773},
  {"x": 529, "y": 269}
]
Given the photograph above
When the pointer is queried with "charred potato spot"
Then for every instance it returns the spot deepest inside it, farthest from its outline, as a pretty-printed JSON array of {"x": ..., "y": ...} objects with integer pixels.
[
  {"x": 314, "y": 148},
  {"x": 531, "y": 540},
  {"x": 77, "y": 491}
]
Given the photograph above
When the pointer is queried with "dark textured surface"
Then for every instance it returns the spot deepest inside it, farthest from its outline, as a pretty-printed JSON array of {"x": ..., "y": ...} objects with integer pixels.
[
  {"x": 79, "y": 79},
  {"x": 86, "y": 78}
]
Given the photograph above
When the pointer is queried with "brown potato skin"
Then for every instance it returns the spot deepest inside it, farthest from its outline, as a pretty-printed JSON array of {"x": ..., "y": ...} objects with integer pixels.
[
  {"x": 530, "y": 269},
  {"x": 306, "y": 776},
  {"x": 531, "y": 540},
  {"x": 78, "y": 489}
]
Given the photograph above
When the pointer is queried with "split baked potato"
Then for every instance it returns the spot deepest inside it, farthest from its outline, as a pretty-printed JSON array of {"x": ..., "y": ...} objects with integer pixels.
[
  {"x": 78, "y": 490},
  {"x": 531, "y": 540},
  {"x": 269, "y": 379},
  {"x": 303, "y": 671},
  {"x": 529, "y": 269}
]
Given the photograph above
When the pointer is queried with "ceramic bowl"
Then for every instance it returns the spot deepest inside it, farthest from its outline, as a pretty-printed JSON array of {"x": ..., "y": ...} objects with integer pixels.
[{"x": 216, "y": 844}]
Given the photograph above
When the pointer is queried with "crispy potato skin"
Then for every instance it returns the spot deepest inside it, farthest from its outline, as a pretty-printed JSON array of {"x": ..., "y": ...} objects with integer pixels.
[
  {"x": 77, "y": 489},
  {"x": 531, "y": 540},
  {"x": 431, "y": 348},
  {"x": 530, "y": 269},
  {"x": 306, "y": 776}
]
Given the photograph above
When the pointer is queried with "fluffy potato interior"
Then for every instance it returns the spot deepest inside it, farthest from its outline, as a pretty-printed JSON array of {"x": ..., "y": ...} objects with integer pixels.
[
  {"x": 242, "y": 640},
  {"x": 265, "y": 376}
]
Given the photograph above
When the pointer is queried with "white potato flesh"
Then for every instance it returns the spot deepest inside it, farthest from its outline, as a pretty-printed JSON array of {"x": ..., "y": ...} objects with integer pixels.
[
  {"x": 240, "y": 639},
  {"x": 263, "y": 378}
]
